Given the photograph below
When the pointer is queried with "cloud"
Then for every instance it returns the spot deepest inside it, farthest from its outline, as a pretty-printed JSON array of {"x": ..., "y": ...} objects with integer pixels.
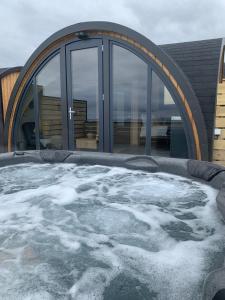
[{"x": 25, "y": 24}]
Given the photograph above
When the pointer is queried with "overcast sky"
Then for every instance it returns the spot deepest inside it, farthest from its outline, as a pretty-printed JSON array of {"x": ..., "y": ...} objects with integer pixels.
[{"x": 27, "y": 23}]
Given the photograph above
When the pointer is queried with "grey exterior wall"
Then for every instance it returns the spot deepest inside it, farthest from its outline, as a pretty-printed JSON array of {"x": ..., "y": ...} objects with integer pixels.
[{"x": 199, "y": 61}]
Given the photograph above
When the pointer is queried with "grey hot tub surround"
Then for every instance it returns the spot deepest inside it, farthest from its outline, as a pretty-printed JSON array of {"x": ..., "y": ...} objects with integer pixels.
[{"x": 208, "y": 173}]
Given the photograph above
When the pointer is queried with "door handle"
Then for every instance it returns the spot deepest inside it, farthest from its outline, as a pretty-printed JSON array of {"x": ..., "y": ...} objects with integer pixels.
[{"x": 71, "y": 112}]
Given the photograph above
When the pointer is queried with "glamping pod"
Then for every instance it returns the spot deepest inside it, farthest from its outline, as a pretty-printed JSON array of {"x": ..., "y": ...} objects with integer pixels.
[{"x": 100, "y": 86}]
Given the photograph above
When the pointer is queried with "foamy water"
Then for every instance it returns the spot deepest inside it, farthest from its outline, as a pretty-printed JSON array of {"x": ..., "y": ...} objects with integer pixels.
[{"x": 95, "y": 232}]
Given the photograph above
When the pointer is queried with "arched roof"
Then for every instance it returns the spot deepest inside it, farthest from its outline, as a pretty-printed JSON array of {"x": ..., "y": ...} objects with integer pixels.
[
  {"x": 2, "y": 70},
  {"x": 6, "y": 71},
  {"x": 162, "y": 61}
]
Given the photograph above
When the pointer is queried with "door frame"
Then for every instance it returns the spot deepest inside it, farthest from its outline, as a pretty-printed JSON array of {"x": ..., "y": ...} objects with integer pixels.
[{"x": 79, "y": 45}]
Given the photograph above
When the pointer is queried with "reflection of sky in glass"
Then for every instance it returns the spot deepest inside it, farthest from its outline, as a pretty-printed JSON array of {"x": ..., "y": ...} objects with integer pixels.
[
  {"x": 129, "y": 82},
  {"x": 162, "y": 102},
  {"x": 129, "y": 85},
  {"x": 49, "y": 78},
  {"x": 84, "y": 68}
]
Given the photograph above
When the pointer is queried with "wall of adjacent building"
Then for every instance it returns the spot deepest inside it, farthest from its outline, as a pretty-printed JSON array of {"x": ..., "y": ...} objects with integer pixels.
[
  {"x": 7, "y": 84},
  {"x": 219, "y": 134}
]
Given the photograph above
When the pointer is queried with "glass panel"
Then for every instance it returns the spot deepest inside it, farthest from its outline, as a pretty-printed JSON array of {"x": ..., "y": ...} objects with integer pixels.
[
  {"x": 25, "y": 128},
  {"x": 84, "y": 69},
  {"x": 49, "y": 95},
  {"x": 129, "y": 93},
  {"x": 167, "y": 130}
]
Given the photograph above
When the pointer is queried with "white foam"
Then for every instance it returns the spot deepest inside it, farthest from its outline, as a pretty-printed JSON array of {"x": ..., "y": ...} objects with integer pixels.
[{"x": 71, "y": 231}]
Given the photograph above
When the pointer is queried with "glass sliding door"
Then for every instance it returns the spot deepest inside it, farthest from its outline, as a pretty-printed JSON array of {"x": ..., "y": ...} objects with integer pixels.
[
  {"x": 129, "y": 101},
  {"x": 85, "y": 95}
]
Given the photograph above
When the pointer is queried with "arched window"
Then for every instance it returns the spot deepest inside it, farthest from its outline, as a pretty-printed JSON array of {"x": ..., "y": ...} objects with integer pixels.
[{"x": 144, "y": 117}]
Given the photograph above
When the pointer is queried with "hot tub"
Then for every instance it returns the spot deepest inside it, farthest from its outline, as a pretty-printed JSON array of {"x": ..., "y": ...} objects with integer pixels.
[{"x": 79, "y": 225}]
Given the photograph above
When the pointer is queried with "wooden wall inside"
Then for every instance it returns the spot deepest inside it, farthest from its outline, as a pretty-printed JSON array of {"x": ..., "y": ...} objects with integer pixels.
[
  {"x": 7, "y": 84},
  {"x": 219, "y": 140}
]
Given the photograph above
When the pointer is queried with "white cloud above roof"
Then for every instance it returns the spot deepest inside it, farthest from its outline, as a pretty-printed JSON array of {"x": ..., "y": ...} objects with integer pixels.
[{"x": 25, "y": 24}]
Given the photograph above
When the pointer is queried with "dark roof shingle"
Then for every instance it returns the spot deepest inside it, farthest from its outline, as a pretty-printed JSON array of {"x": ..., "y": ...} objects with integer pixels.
[{"x": 199, "y": 60}]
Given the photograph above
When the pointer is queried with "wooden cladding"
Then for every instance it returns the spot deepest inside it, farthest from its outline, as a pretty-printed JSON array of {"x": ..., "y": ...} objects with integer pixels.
[
  {"x": 7, "y": 84},
  {"x": 219, "y": 140}
]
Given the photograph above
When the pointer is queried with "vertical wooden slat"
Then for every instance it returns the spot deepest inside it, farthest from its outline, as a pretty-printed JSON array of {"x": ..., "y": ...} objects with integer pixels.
[
  {"x": 8, "y": 83},
  {"x": 219, "y": 140}
]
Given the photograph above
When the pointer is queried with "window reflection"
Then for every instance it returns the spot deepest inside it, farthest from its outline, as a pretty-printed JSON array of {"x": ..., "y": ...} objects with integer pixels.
[
  {"x": 129, "y": 107},
  {"x": 129, "y": 101},
  {"x": 25, "y": 129},
  {"x": 84, "y": 68},
  {"x": 49, "y": 96},
  {"x": 167, "y": 132}
]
